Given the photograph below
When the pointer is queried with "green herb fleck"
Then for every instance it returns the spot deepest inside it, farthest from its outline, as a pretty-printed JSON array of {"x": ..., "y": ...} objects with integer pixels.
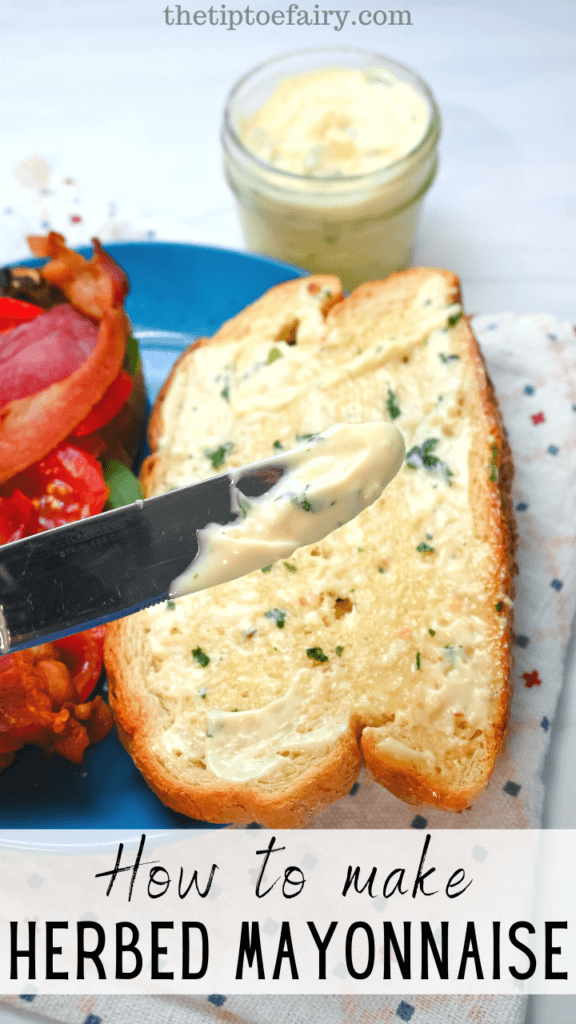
[
  {"x": 499, "y": 606},
  {"x": 432, "y": 632},
  {"x": 493, "y": 465},
  {"x": 391, "y": 405},
  {"x": 278, "y": 445},
  {"x": 267, "y": 568},
  {"x": 316, "y": 653},
  {"x": 244, "y": 507},
  {"x": 381, "y": 568},
  {"x": 290, "y": 567},
  {"x": 424, "y": 548},
  {"x": 170, "y": 605},
  {"x": 235, "y": 709},
  {"x": 418, "y": 665},
  {"x": 447, "y": 359},
  {"x": 225, "y": 393},
  {"x": 278, "y": 615},
  {"x": 305, "y": 437},
  {"x": 202, "y": 658},
  {"x": 338, "y": 650},
  {"x": 274, "y": 354},
  {"x": 203, "y": 692},
  {"x": 453, "y": 320},
  {"x": 218, "y": 455},
  {"x": 423, "y": 455},
  {"x": 303, "y": 503}
]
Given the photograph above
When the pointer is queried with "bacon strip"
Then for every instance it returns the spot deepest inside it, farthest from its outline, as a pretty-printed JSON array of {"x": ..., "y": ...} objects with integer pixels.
[
  {"x": 90, "y": 285},
  {"x": 31, "y": 427}
]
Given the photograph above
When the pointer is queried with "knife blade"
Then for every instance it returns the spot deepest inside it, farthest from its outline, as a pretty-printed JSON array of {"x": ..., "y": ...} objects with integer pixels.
[{"x": 111, "y": 565}]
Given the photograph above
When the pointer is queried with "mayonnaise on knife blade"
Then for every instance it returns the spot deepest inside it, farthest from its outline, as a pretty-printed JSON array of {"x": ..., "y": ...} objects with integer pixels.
[{"x": 325, "y": 483}]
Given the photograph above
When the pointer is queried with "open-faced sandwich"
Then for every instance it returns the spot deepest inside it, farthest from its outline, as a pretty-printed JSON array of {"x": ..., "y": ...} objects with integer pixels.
[
  {"x": 72, "y": 402},
  {"x": 388, "y": 642}
]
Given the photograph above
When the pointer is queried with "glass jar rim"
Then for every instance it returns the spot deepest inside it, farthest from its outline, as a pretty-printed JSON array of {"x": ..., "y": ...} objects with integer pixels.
[{"x": 432, "y": 130}]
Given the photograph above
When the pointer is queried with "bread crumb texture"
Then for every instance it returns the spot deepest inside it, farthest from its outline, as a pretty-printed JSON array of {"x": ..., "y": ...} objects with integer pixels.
[{"x": 389, "y": 640}]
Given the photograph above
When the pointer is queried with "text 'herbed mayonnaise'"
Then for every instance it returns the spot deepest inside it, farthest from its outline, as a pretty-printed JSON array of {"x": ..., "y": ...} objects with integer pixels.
[
  {"x": 324, "y": 483},
  {"x": 329, "y": 153}
]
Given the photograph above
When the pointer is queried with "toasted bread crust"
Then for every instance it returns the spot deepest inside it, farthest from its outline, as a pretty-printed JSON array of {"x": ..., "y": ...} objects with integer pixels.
[{"x": 331, "y": 776}]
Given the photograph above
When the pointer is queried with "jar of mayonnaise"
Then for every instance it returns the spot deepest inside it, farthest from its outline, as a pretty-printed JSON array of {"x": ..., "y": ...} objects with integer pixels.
[{"x": 329, "y": 153}]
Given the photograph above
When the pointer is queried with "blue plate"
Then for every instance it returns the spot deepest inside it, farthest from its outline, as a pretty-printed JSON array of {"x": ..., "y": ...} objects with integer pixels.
[{"x": 177, "y": 292}]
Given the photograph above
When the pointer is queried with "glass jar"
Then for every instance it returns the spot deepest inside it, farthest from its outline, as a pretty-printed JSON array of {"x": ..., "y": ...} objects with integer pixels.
[{"x": 360, "y": 227}]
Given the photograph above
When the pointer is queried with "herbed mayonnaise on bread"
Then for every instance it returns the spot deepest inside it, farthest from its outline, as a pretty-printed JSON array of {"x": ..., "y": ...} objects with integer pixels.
[{"x": 387, "y": 642}]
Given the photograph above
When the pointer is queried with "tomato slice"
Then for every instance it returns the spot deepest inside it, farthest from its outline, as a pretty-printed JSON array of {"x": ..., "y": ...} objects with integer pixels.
[
  {"x": 14, "y": 312},
  {"x": 15, "y": 514},
  {"x": 108, "y": 407},
  {"x": 83, "y": 655},
  {"x": 65, "y": 486}
]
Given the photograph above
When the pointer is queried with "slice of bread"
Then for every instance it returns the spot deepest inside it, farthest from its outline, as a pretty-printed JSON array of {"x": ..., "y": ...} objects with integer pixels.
[{"x": 389, "y": 642}]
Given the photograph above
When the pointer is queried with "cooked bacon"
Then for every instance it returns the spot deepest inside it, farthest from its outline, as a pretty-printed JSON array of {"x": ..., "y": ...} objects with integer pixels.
[
  {"x": 44, "y": 351},
  {"x": 91, "y": 285},
  {"x": 31, "y": 427}
]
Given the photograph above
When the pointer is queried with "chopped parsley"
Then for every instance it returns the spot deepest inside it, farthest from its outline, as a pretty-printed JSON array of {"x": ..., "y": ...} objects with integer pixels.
[
  {"x": 418, "y": 660},
  {"x": 316, "y": 653},
  {"x": 225, "y": 393},
  {"x": 278, "y": 445},
  {"x": 338, "y": 650},
  {"x": 423, "y": 456},
  {"x": 424, "y": 548},
  {"x": 499, "y": 606},
  {"x": 493, "y": 477},
  {"x": 170, "y": 605},
  {"x": 203, "y": 692},
  {"x": 273, "y": 355},
  {"x": 432, "y": 632},
  {"x": 199, "y": 656},
  {"x": 303, "y": 503},
  {"x": 305, "y": 437},
  {"x": 391, "y": 405},
  {"x": 218, "y": 455},
  {"x": 290, "y": 567},
  {"x": 267, "y": 568},
  {"x": 381, "y": 568},
  {"x": 453, "y": 320},
  {"x": 447, "y": 359},
  {"x": 278, "y": 615}
]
